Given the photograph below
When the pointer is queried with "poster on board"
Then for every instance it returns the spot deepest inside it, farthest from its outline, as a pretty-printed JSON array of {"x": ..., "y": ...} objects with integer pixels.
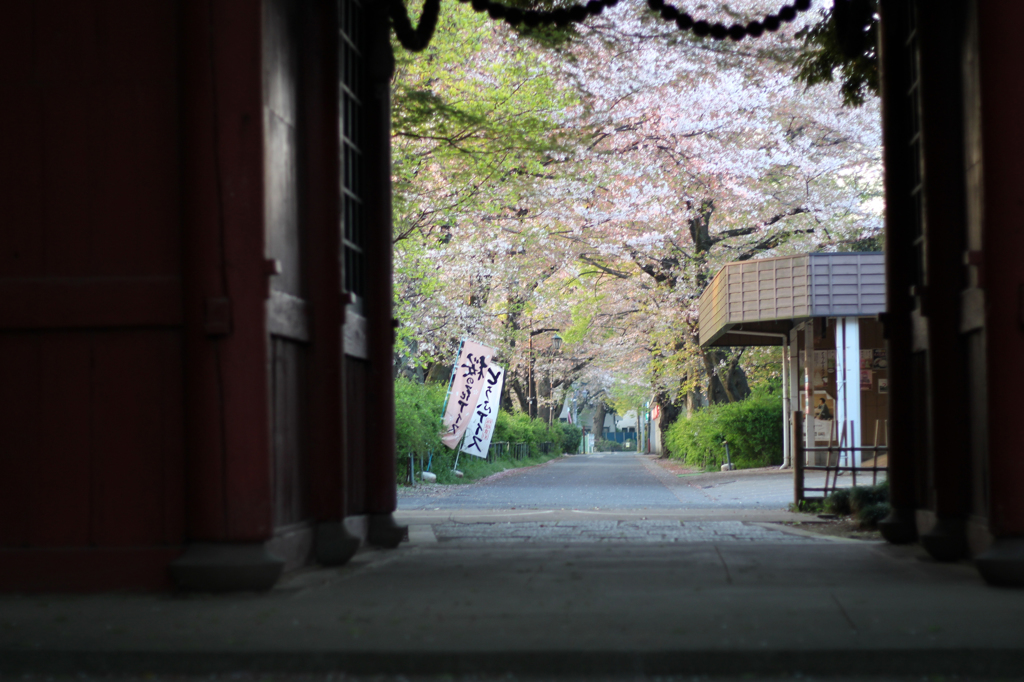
[
  {"x": 824, "y": 415},
  {"x": 467, "y": 382},
  {"x": 485, "y": 416}
]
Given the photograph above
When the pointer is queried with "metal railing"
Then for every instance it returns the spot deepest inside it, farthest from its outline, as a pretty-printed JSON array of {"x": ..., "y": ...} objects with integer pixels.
[
  {"x": 842, "y": 453},
  {"x": 497, "y": 451},
  {"x": 520, "y": 451}
]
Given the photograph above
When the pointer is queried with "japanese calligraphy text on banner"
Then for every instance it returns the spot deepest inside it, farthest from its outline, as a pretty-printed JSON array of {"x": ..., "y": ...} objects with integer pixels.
[
  {"x": 485, "y": 416},
  {"x": 469, "y": 374}
]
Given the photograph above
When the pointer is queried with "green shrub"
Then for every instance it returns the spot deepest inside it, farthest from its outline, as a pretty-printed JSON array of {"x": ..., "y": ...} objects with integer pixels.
[
  {"x": 418, "y": 409},
  {"x": 868, "y": 503},
  {"x": 869, "y": 516},
  {"x": 862, "y": 497},
  {"x": 839, "y": 502},
  {"x": 753, "y": 428},
  {"x": 571, "y": 436},
  {"x": 418, "y": 428},
  {"x": 607, "y": 446},
  {"x": 418, "y": 416},
  {"x": 514, "y": 428}
]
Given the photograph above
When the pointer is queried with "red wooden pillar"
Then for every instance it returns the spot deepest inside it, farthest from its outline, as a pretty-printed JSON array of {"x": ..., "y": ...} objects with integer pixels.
[
  {"x": 381, "y": 498},
  {"x": 226, "y": 286},
  {"x": 900, "y": 526},
  {"x": 938, "y": 291},
  {"x": 1002, "y": 268},
  {"x": 334, "y": 544}
]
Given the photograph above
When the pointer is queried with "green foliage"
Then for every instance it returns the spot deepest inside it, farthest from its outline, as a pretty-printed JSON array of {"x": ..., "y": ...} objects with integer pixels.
[
  {"x": 519, "y": 428},
  {"x": 822, "y": 60},
  {"x": 571, "y": 436},
  {"x": 418, "y": 417},
  {"x": 863, "y": 496},
  {"x": 872, "y": 243},
  {"x": 839, "y": 502},
  {"x": 869, "y": 504},
  {"x": 474, "y": 468},
  {"x": 624, "y": 396},
  {"x": 753, "y": 428},
  {"x": 807, "y": 507},
  {"x": 478, "y": 124},
  {"x": 869, "y": 517},
  {"x": 607, "y": 446},
  {"x": 513, "y": 428},
  {"x": 418, "y": 410}
]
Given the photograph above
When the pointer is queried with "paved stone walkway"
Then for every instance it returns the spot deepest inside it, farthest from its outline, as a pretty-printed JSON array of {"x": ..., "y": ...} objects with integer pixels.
[{"x": 650, "y": 530}]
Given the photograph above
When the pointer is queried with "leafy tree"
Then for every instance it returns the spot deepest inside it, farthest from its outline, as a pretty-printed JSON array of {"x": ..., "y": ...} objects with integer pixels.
[
  {"x": 480, "y": 123},
  {"x": 843, "y": 45},
  {"x": 595, "y": 187}
]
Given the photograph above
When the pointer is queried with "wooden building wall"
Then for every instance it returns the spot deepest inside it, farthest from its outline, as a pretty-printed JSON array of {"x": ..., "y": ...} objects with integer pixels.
[
  {"x": 171, "y": 289},
  {"x": 91, "y": 317},
  {"x": 952, "y": 94}
]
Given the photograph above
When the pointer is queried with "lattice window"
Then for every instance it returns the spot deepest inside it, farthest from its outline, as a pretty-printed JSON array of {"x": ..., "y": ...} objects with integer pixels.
[
  {"x": 350, "y": 101},
  {"x": 917, "y": 189}
]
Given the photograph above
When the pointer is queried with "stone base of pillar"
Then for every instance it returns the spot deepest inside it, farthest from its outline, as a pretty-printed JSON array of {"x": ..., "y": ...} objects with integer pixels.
[
  {"x": 384, "y": 532},
  {"x": 333, "y": 544},
  {"x": 946, "y": 540},
  {"x": 899, "y": 527},
  {"x": 226, "y": 567},
  {"x": 1003, "y": 563}
]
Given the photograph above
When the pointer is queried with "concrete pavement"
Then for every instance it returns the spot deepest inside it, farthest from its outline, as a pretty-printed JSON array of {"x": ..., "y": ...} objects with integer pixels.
[
  {"x": 767, "y": 603},
  {"x": 614, "y": 481},
  {"x": 669, "y": 589}
]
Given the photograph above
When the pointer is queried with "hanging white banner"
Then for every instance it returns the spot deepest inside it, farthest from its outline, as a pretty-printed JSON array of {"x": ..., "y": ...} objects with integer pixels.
[
  {"x": 485, "y": 416},
  {"x": 470, "y": 371}
]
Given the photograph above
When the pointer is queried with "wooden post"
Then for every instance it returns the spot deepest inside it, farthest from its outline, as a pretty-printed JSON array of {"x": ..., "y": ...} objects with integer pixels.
[
  {"x": 901, "y": 524},
  {"x": 798, "y": 457}
]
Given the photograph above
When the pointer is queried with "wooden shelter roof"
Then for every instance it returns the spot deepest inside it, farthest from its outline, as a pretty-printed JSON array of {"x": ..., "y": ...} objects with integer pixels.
[{"x": 773, "y": 294}]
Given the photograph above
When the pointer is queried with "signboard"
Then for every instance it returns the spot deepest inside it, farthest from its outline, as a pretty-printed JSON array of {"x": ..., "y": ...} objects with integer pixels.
[
  {"x": 485, "y": 416},
  {"x": 468, "y": 378},
  {"x": 824, "y": 416}
]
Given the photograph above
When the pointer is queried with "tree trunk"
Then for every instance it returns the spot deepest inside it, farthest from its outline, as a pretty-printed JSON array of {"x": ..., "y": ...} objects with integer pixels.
[
  {"x": 734, "y": 387},
  {"x": 517, "y": 389},
  {"x": 738, "y": 386},
  {"x": 599, "y": 415},
  {"x": 670, "y": 413},
  {"x": 717, "y": 395},
  {"x": 438, "y": 372},
  {"x": 543, "y": 400},
  {"x": 694, "y": 401}
]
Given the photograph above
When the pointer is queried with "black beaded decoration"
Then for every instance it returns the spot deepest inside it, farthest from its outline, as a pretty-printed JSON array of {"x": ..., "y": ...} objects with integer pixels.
[
  {"x": 417, "y": 39},
  {"x": 720, "y": 31}
]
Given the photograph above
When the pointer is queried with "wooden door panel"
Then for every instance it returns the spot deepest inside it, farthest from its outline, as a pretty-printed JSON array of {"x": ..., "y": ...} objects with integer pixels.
[
  {"x": 357, "y": 439},
  {"x": 289, "y": 388}
]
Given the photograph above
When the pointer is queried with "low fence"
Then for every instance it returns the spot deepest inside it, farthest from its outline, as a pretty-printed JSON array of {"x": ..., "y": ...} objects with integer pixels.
[
  {"x": 497, "y": 451},
  {"x": 520, "y": 451},
  {"x": 842, "y": 453},
  {"x": 414, "y": 464},
  {"x": 620, "y": 437},
  {"x": 517, "y": 451}
]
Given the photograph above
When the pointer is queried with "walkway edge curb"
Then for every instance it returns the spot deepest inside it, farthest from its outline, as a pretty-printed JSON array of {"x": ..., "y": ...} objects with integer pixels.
[{"x": 853, "y": 662}]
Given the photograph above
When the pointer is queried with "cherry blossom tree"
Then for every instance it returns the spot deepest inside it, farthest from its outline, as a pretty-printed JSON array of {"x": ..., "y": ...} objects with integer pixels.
[{"x": 596, "y": 188}]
